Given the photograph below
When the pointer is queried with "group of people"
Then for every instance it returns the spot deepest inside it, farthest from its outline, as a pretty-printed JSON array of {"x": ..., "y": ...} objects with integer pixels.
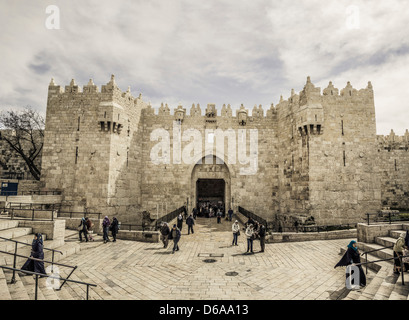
[
  {"x": 86, "y": 228},
  {"x": 253, "y": 230},
  {"x": 210, "y": 210}
]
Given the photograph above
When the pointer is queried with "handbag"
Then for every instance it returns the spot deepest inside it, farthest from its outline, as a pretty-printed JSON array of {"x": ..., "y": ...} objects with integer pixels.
[{"x": 238, "y": 233}]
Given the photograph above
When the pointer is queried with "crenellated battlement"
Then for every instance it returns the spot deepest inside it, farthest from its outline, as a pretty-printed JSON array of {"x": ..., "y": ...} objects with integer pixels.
[
  {"x": 309, "y": 97},
  {"x": 393, "y": 141}
]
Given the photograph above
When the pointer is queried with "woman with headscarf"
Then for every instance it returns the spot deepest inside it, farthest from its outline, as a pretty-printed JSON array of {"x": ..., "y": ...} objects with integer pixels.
[
  {"x": 351, "y": 257},
  {"x": 105, "y": 228},
  {"x": 398, "y": 253},
  {"x": 38, "y": 253}
]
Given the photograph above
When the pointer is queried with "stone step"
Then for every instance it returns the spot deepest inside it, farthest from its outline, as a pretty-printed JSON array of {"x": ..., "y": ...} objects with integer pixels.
[
  {"x": 9, "y": 246},
  {"x": 4, "y": 290},
  {"x": 387, "y": 285},
  {"x": 381, "y": 254},
  {"x": 15, "y": 232},
  {"x": 369, "y": 292},
  {"x": 8, "y": 224},
  {"x": 385, "y": 241},
  {"x": 400, "y": 292},
  {"x": 396, "y": 233},
  {"x": 29, "y": 284},
  {"x": 17, "y": 290}
]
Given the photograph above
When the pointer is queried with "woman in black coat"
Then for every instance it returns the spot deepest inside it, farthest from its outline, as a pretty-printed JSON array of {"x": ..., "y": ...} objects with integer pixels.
[
  {"x": 114, "y": 228},
  {"x": 38, "y": 253},
  {"x": 351, "y": 257}
]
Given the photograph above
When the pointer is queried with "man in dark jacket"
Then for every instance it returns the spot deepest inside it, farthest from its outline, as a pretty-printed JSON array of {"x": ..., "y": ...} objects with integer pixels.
[
  {"x": 190, "y": 222},
  {"x": 262, "y": 235},
  {"x": 175, "y": 233},
  {"x": 83, "y": 229},
  {"x": 165, "y": 231},
  {"x": 114, "y": 227}
]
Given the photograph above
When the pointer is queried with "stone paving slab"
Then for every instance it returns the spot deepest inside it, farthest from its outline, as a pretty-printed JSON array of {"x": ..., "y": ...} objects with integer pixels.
[{"x": 135, "y": 270}]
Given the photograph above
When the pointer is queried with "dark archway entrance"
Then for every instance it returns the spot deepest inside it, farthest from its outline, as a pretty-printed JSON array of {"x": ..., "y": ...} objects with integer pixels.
[
  {"x": 211, "y": 191},
  {"x": 211, "y": 183}
]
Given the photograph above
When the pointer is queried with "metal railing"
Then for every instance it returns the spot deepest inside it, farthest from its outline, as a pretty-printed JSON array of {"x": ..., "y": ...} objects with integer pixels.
[
  {"x": 168, "y": 217},
  {"x": 30, "y": 193},
  {"x": 71, "y": 214},
  {"x": 316, "y": 228},
  {"x": 253, "y": 216},
  {"x": 15, "y": 254},
  {"x": 370, "y": 251},
  {"x": 387, "y": 259},
  {"x": 385, "y": 217},
  {"x": 37, "y": 274},
  {"x": 36, "y": 206},
  {"x": 11, "y": 214}
]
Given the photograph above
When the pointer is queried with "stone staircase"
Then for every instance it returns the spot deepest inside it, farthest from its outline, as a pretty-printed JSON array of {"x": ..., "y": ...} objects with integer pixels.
[
  {"x": 385, "y": 285},
  {"x": 24, "y": 288}
]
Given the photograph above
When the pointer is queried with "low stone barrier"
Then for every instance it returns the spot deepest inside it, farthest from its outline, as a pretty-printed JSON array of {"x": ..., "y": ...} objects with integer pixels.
[
  {"x": 143, "y": 236},
  {"x": 368, "y": 233},
  {"x": 54, "y": 230},
  {"x": 277, "y": 237}
]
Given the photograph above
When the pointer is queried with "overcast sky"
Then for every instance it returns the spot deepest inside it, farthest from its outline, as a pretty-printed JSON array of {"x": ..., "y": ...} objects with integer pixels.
[{"x": 221, "y": 52}]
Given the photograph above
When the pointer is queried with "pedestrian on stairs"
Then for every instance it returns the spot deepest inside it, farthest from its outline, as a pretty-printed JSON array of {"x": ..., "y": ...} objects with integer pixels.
[
  {"x": 105, "y": 228},
  {"x": 351, "y": 258},
  {"x": 83, "y": 229},
  {"x": 398, "y": 253},
  {"x": 38, "y": 253}
]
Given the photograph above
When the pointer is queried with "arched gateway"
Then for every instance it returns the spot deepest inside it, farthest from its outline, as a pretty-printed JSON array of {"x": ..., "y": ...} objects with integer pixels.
[{"x": 211, "y": 182}]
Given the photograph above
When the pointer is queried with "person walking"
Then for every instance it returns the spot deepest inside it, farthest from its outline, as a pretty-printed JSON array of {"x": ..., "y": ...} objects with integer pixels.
[
  {"x": 250, "y": 238},
  {"x": 236, "y": 232},
  {"x": 262, "y": 236},
  {"x": 190, "y": 223},
  {"x": 194, "y": 213},
  {"x": 230, "y": 213},
  {"x": 90, "y": 230},
  {"x": 352, "y": 257},
  {"x": 176, "y": 235},
  {"x": 180, "y": 222},
  {"x": 83, "y": 229},
  {"x": 114, "y": 227},
  {"x": 37, "y": 252},
  {"x": 165, "y": 231},
  {"x": 219, "y": 216},
  {"x": 398, "y": 253},
  {"x": 105, "y": 228}
]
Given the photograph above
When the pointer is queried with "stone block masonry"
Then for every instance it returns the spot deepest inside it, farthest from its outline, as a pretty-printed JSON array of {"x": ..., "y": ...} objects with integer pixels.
[{"x": 317, "y": 154}]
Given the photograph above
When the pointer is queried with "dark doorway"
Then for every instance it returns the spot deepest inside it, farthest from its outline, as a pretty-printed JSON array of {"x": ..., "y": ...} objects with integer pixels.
[{"x": 210, "y": 192}]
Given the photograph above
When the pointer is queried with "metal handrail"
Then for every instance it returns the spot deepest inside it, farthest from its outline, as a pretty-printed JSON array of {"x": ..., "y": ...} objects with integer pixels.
[
  {"x": 389, "y": 217},
  {"x": 37, "y": 274},
  {"x": 168, "y": 217},
  {"x": 83, "y": 214},
  {"x": 27, "y": 244},
  {"x": 387, "y": 259},
  {"x": 13, "y": 279}
]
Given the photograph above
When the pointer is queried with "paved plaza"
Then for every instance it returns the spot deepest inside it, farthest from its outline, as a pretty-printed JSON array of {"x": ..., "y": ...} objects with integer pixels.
[{"x": 135, "y": 270}]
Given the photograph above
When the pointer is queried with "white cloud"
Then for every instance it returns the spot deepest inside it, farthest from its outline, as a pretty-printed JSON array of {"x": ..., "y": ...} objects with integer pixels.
[{"x": 208, "y": 52}]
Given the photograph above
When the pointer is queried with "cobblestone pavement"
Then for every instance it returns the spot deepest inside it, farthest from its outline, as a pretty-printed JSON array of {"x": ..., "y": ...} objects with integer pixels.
[{"x": 135, "y": 270}]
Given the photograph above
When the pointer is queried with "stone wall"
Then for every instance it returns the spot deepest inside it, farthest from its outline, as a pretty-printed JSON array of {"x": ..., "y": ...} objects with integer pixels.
[
  {"x": 393, "y": 154},
  {"x": 317, "y": 154}
]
